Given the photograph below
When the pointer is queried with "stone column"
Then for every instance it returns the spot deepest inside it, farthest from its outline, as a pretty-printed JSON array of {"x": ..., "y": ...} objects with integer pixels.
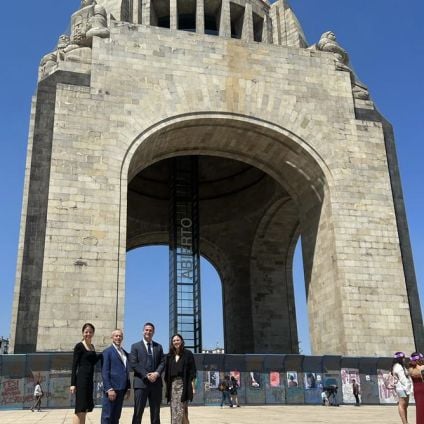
[
  {"x": 277, "y": 16},
  {"x": 173, "y": 14},
  {"x": 136, "y": 12},
  {"x": 266, "y": 30},
  {"x": 247, "y": 31},
  {"x": 225, "y": 19},
  {"x": 145, "y": 11},
  {"x": 200, "y": 16}
]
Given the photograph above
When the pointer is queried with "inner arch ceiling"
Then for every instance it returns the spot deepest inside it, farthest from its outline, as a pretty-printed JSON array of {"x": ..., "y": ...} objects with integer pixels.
[{"x": 260, "y": 187}]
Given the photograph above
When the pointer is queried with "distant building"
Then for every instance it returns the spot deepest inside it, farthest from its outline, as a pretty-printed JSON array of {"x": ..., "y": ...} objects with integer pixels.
[
  {"x": 4, "y": 345},
  {"x": 214, "y": 350}
]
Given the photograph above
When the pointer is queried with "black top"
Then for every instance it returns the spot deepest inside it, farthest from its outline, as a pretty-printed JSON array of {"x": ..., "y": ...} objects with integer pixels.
[
  {"x": 188, "y": 374},
  {"x": 176, "y": 368}
]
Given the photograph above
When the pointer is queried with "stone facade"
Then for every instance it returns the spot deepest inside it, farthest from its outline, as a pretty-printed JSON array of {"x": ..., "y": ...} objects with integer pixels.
[{"x": 312, "y": 156}]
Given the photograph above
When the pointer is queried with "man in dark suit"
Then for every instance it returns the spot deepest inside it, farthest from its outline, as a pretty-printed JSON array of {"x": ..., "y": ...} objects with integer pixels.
[
  {"x": 116, "y": 379},
  {"x": 148, "y": 362}
]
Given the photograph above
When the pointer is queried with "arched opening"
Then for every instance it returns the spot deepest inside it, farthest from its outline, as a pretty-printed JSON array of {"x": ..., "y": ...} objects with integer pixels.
[
  {"x": 186, "y": 15},
  {"x": 212, "y": 17},
  {"x": 146, "y": 297},
  {"x": 259, "y": 192},
  {"x": 237, "y": 18},
  {"x": 301, "y": 301}
]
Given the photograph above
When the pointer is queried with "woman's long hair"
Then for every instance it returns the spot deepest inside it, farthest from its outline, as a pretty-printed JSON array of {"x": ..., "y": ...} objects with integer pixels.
[{"x": 172, "y": 349}]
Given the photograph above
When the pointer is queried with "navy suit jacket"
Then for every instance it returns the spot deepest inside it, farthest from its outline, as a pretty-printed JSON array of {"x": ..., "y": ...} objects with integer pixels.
[
  {"x": 114, "y": 373},
  {"x": 138, "y": 362}
]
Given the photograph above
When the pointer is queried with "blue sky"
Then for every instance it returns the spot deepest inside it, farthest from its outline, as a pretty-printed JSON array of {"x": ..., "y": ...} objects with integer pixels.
[{"x": 384, "y": 39}]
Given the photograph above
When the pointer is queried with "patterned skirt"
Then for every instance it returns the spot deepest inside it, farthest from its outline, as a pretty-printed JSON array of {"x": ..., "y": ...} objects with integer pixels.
[{"x": 179, "y": 410}]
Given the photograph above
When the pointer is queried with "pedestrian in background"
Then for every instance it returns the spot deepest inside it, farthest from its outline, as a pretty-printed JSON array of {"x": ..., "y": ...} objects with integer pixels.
[
  {"x": 224, "y": 388},
  {"x": 234, "y": 391},
  {"x": 38, "y": 394},
  {"x": 355, "y": 389},
  {"x": 403, "y": 385}
]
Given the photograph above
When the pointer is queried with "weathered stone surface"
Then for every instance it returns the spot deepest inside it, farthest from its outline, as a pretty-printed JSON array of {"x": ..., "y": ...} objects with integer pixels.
[{"x": 325, "y": 166}]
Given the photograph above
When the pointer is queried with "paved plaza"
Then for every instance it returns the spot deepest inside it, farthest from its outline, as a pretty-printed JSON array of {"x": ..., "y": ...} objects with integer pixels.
[{"x": 243, "y": 415}]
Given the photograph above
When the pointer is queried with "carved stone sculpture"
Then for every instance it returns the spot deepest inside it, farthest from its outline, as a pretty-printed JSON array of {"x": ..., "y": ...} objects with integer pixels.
[
  {"x": 47, "y": 63},
  {"x": 328, "y": 43},
  {"x": 62, "y": 44},
  {"x": 88, "y": 22},
  {"x": 50, "y": 60},
  {"x": 98, "y": 23}
]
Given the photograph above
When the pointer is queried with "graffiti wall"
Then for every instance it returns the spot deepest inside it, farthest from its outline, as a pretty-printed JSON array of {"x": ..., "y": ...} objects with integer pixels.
[{"x": 260, "y": 379}]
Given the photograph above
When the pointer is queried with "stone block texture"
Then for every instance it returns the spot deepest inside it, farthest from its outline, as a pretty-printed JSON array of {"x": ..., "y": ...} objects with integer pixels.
[{"x": 314, "y": 163}]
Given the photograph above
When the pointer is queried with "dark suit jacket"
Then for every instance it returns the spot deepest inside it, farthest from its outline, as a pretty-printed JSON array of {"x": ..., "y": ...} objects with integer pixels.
[
  {"x": 138, "y": 362},
  {"x": 114, "y": 373}
]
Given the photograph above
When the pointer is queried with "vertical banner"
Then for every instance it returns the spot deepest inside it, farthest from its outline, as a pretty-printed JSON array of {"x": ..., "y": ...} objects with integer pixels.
[
  {"x": 212, "y": 395},
  {"x": 292, "y": 379},
  {"x": 12, "y": 392},
  {"x": 348, "y": 375},
  {"x": 255, "y": 390},
  {"x": 386, "y": 387},
  {"x": 313, "y": 388},
  {"x": 294, "y": 393},
  {"x": 198, "y": 398},
  {"x": 275, "y": 393},
  {"x": 332, "y": 383},
  {"x": 59, "y": 396}
]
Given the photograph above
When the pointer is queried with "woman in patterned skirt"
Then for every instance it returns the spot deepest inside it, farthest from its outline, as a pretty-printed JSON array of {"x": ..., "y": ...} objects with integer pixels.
[{"x": 180, "y": 375}]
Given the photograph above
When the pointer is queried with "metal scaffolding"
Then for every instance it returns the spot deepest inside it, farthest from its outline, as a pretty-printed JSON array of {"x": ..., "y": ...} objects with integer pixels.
[{"x": 184, "y": 256}]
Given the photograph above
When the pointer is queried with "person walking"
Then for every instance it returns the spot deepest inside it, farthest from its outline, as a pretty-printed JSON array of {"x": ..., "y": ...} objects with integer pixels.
[
  {"x": 83, "y": 363},
  {"x": 148, "y": 362},
  {"x": 355, "y": 389},
  {"x": 116, "y": 379},
  {"x": 416, "y": 371},
  {"x": 38, "y": 394},
  {"x": 403, "y": 385},
  {"x": 224, "y": 387},
  {"x": 234, "y": 391},
  {"x": 180, "y": 375}
]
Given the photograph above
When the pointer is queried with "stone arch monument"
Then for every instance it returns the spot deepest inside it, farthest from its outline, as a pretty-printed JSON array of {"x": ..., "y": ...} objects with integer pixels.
[{"x": 289, "y": 144}]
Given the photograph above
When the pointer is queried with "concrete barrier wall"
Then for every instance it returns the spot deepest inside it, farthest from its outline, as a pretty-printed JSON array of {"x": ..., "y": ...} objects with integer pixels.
[{"x": 263, "y": 379}]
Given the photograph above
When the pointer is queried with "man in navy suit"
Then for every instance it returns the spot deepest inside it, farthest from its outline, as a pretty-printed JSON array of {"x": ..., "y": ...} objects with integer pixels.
[
  {"x": 147, "y": 361},
  {"x": 116, "y": 379}
]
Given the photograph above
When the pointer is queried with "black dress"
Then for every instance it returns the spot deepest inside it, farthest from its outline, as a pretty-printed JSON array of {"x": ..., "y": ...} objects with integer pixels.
[{"x": 83, "y": 365}]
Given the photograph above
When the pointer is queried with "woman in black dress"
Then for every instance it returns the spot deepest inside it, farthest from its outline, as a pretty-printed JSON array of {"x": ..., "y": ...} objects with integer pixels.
[
  {"x": 180, "y": 375},
  {"x": 84, "y": 361}
]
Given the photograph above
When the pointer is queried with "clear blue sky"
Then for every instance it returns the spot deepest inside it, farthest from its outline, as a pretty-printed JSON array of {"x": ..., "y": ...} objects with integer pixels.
[{"x": 385, "y": 41}]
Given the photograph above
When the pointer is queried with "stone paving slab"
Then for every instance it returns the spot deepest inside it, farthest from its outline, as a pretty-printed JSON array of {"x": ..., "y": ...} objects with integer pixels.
[{"x": 243, "y": 415}]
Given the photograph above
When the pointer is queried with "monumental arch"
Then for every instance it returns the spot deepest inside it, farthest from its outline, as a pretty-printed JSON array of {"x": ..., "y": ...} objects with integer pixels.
[{"x": 289, "y": 144}]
